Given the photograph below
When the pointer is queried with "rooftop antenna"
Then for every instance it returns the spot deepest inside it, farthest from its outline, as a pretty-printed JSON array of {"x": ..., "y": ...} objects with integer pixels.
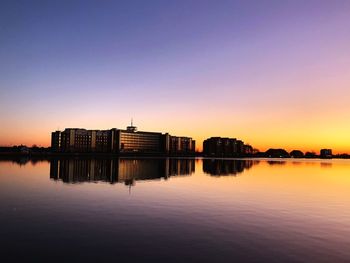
[{"x": 131, "y": 128}]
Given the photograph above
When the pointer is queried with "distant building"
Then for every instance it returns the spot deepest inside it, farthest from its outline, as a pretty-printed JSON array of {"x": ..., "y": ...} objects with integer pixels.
[
  {"x": 182, "y": 145},
  {"x": 326, "y": 153},
  {"x": 225, "y": 147},
  {"x": 131, "y": 141},
  {"x": 248, "y": 149},
  {"x": 74, "y": 140},
  {"x": 55, "y": 141}
]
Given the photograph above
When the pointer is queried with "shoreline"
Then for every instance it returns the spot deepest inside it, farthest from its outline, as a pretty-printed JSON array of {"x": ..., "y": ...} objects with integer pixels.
[{"x": 49, "y": 155}]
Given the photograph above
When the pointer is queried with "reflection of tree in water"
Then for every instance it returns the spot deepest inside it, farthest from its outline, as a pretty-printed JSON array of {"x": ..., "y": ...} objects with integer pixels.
[
  {"x": 276, "y": 162},
  {"x": 326, "y": 164},
  {"x": 125, "y": 171},
  {"x": 219, "y": 167},
  {"x": 22, "y": 160}
]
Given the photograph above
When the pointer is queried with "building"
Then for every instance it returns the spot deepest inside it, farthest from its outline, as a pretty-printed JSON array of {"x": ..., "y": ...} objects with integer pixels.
[
  {"x": 73, "y": 140},
  {"x": 129, "y": 141},
  {"x": 326, "y": 153},
  {"x": 178, "y": 145},
  {"x": 55, "y": 141},
  {"x": 248, "y": 149},
  {"x": 225, "y": 147}
]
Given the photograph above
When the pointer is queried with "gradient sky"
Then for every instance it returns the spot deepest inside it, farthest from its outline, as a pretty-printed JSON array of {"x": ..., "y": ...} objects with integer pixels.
[{"x": 272, "y": 73}]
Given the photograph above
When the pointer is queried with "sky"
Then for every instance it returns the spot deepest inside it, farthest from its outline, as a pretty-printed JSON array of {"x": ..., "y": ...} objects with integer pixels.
[{"x": 275, "y": 74}]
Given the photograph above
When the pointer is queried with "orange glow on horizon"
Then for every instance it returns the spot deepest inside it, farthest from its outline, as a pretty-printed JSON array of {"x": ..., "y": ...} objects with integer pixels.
[{"x": 261, "y": 141}]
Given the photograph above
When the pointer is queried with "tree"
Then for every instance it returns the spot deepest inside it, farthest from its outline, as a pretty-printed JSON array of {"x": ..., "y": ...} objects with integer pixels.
[{"x": 296, "y": 154}]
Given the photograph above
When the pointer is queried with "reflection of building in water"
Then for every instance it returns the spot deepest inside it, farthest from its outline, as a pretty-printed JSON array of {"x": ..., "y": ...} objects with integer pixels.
[
  {"x": 217, "y": 167},
  {"x": 276, "y": 162},
  {"x": 118, "y": 170}
]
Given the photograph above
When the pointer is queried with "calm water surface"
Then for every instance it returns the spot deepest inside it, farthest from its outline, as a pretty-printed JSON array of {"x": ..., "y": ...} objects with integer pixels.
[{"x": 175, "y": 210}]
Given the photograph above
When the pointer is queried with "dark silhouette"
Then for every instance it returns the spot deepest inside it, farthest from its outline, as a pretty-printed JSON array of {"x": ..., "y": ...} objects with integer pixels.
[
  {"x": 342, "y": 156},
  {"x": 296, "y": 154},
  {"x": 226, "y": 147},
  {"x": 310, "y": 155},
  {"x": 326, "y": 153},
  {"x": 277, "y": 153}
]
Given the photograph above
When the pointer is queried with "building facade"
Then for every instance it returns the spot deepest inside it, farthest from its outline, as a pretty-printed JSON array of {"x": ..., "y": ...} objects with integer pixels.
[
  {"x": 225, "y": 147},
  {"x": 56, "y": 141},
  {"x": 117, "y": 141},
  {"x": 73, "y": 140},
  {"x": 326, "y": 153},
  {"x": 129, "y": 141},
  {"x": 178, "y": 145}
]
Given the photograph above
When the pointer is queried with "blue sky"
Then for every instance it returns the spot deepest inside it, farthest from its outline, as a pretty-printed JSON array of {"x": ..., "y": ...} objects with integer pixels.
[{"x": 197, "y": 68}]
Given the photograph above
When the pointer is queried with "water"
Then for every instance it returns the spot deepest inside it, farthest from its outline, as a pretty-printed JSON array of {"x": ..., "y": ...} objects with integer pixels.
[{"x": 175, "y": 210}]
